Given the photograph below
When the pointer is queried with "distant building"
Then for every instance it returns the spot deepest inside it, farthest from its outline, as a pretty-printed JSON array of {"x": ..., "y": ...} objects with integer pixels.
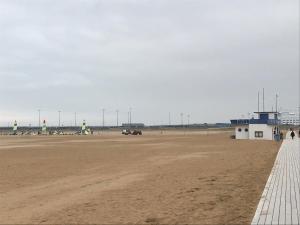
[
  {"x": 264, "y": 127},
  {"x": 133, "y": 125},
  {"x": 289, "y": 118}
]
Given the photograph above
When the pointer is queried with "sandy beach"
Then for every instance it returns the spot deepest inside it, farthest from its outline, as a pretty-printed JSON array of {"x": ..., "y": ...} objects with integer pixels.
[{"x": 173, "y": 178}]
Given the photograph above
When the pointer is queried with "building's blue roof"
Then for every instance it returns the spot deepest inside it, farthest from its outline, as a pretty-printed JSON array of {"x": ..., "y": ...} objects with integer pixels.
[
  {"x": 240, "y": 122},
  {"x": 270, "y": 112},
  {"x": 255, "y": 121},
  {"x": 265, "y": 121},
  {"x": 264, "y": 118}
]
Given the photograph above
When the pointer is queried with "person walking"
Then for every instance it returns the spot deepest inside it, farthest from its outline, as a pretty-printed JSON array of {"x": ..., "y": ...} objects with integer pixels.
[{"x": 292, "y": 134}]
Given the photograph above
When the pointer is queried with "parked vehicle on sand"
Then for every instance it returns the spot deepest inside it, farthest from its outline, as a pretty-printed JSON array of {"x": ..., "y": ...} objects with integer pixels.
[
  {"x": 137, "y": 132},
  {"x": 126, "y": 132}
]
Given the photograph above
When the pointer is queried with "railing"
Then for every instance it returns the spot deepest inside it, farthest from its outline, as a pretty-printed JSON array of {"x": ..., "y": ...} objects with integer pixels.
[
  {"x": 255, "y": 121},
  {"x": 268, "y": 121},
  {"x": 240, "y": 122}
]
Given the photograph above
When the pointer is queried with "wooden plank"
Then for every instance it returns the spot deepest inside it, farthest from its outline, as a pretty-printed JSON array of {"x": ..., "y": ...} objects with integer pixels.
[
  {"x": 288, "y": 197},
  {"x": 282, "y": 206},
  {"x": 268, "y": 198},
  {"x": 257, "y": 218},
  {"x": 275, "y": 216},
  {"x": 275, "y": 194},
  {"x": 295, "y": 155},
  {"x": 280, "y": 201},
  {"x": 294, "y": 219}
]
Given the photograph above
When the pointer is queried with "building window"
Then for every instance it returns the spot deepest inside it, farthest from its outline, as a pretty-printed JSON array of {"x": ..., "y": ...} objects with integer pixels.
[
  {"x": 240, "y": 129},
  {"x": 246, "y": 129},
  {"x": 259, "y": 134}
]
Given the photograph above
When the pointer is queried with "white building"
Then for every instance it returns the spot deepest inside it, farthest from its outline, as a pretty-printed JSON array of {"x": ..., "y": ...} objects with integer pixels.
[
  {"x": 264, "y": 127},
  {"x": 289, "y": 118},
  {"x": 242, "y": 129}
]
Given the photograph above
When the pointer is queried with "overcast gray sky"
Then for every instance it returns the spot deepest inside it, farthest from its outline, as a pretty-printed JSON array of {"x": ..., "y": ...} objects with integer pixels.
[{"x": 206, "y": 58}]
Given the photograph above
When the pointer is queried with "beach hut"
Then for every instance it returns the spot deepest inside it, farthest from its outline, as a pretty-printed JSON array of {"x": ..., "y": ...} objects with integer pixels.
[
  {"x": 264, "y": 127},
  {"x": 241, "y": 128}
]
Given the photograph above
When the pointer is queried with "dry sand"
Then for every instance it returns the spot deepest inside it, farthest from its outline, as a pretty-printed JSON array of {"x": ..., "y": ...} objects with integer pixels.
[{"x": 112, "y": 179}]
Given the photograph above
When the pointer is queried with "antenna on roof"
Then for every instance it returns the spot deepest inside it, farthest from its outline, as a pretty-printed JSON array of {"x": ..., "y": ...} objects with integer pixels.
[
  {"x": 263, "y": 99},
  {"x": 277, "y": 102},
  {"x": 258, "y": 103}
]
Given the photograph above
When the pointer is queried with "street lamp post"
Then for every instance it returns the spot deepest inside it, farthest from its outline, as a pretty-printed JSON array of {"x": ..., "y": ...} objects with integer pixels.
[
  {"x": 59, "y": 112},
  {"x": 181, "y": 115},
  {"x": 117, "y": 111},
  {"x": 130, "y": 116},
  {"x": 39, "y": 118},
  {"x": 103, "y": 118}
]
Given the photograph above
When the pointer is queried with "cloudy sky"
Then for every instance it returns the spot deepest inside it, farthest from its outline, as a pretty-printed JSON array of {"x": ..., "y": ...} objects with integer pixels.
[{"x": 206, "y": 58}]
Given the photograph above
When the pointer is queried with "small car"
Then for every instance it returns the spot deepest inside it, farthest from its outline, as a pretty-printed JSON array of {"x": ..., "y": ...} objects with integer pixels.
[
  {"x": 137, "y": 132},
  {"x": 126, "y": 132}
]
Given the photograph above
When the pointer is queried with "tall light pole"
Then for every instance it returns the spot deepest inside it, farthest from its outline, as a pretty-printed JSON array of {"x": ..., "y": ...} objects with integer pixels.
[
  {"x": 75, "y": 119},
  {"x": 169, "y": 119},
  {"x": 59, "y": 118},
  {"x": 39, "y": 118},
  {"x": 103, "y": 118},
  {"x": 117, "y": 111},
  {"x": 130, "y": 116},
  {"x": 188, "y": 116},
  {"x": 181, "y": 114}
]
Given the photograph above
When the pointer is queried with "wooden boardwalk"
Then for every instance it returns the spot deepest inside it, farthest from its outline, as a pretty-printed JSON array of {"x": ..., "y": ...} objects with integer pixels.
[{"x": 280, "y": 201}]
